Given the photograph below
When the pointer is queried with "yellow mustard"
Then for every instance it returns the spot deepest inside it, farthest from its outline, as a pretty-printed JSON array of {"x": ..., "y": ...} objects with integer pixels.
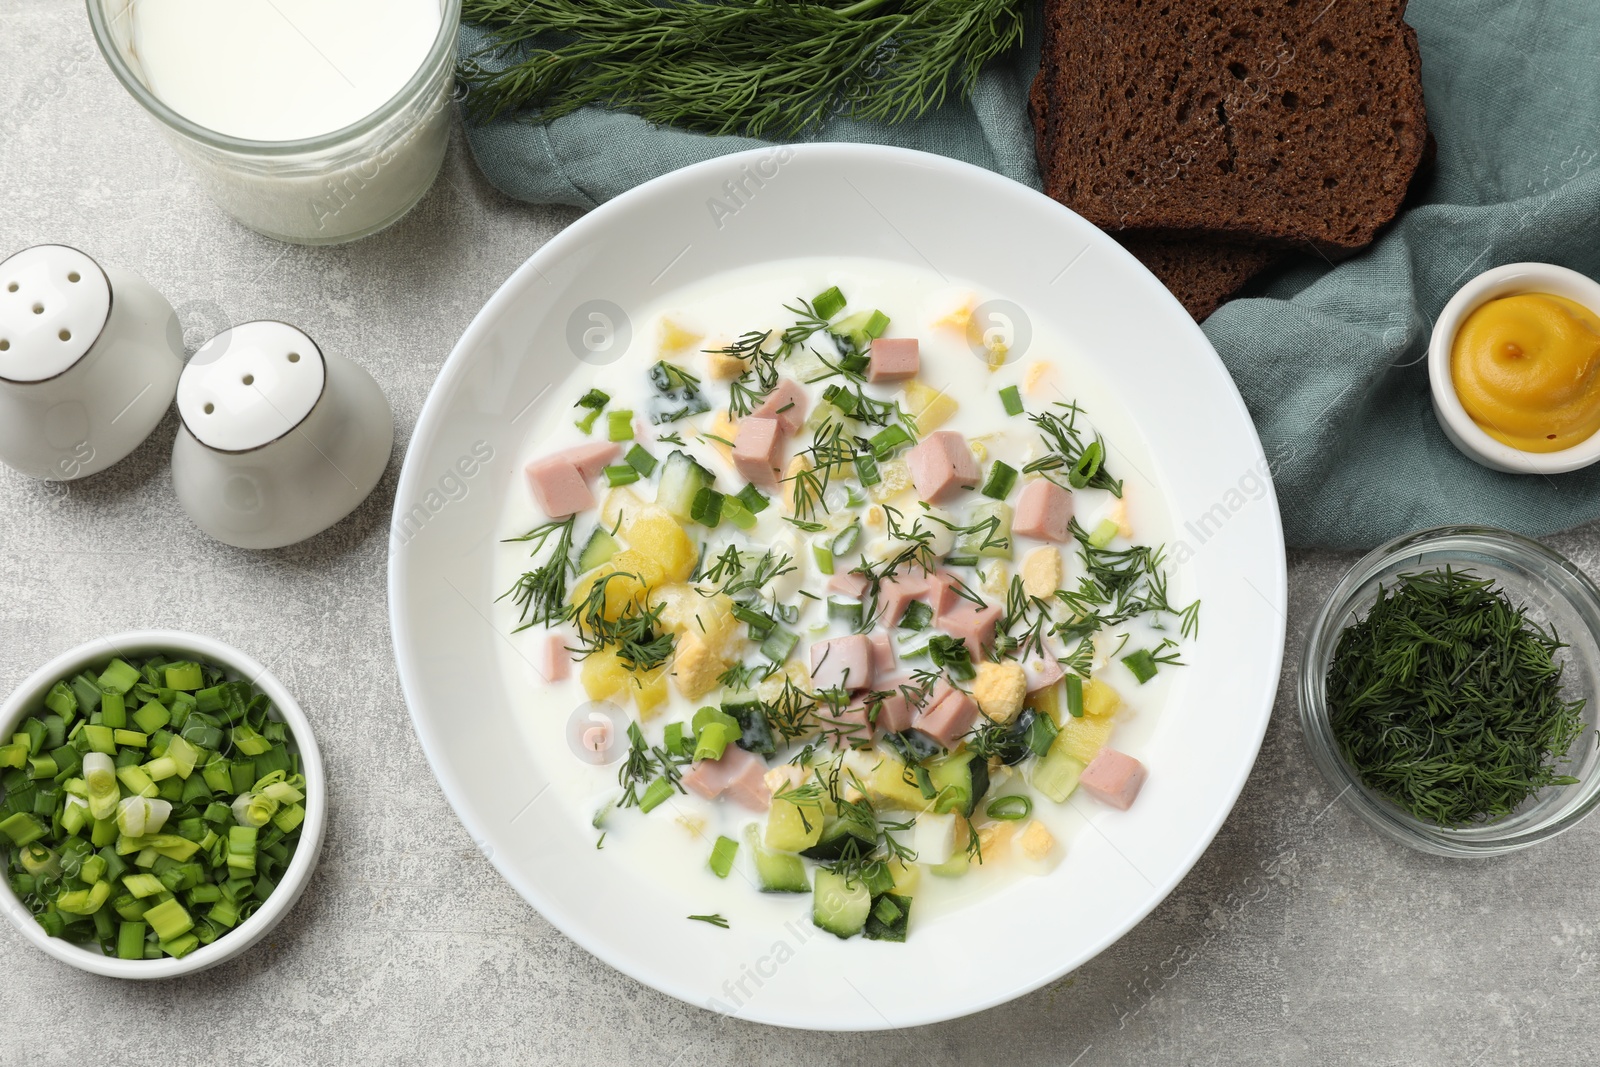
[{"x": 1527, "y": 369}]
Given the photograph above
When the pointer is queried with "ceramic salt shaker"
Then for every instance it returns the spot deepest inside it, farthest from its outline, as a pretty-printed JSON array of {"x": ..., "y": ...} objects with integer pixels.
[
  {"x": 89, "y": 360},
  {"x": 280, "y": 439}
]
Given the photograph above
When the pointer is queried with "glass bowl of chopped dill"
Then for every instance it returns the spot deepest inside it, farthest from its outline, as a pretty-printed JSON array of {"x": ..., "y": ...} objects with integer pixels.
[{"x": 1447, "y": 691}]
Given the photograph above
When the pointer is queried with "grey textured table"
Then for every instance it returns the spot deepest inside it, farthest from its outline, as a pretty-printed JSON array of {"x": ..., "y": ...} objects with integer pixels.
[{"x": 1300, "y": 937}]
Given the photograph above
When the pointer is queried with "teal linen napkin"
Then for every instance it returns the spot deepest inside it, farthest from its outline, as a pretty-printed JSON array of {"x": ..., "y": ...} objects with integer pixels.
[{"x": 1331, "y": 360}]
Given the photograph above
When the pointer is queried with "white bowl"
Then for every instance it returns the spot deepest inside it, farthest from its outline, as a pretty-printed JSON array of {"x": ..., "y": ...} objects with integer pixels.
[
  {"x": 1464, "y": 433},
  {"x": 28, "y": 698},
  {"x": 458, "y": 668}
]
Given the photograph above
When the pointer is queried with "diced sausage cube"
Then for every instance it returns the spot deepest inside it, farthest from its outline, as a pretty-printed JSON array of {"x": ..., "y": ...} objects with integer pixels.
[
  {"x": 555, "y": 662},
  {"x": 848, "y": 583},
  {"x": 1044, "y": 510},
  {"x": 882, "y": 654},
  {"x": 842, "y": 663},
  {"x": 895, "y": 713},
  {"x": 738, "y": 773},
  {"x": 896, "y": 592},
  {"x": 972, "y": 624},
  {"x": 948, "y": 719},
  {"x": 941, "y": 466},
  {"x": 756, "y": 449},
  {"x": 787, "y": 403},
  {"x": 590, "y": 456},
  {"x": 559, "y": 487},
  {"x": 1113, "y": 778},
  {"x": 893, "y": 359}
]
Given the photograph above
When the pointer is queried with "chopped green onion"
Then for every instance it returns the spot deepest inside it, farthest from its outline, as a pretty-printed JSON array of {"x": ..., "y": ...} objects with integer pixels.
[
  {"x": 62, "y": 700},
  {"x": 753, "y": 500},
  {"x": 655, "y": 795},
  {"x": 917, "y": 616},
  {"x": 846, "y": 541},
  {"x": 1011, "y": 808},
  {"x": 824, "y": 557},
  {"x": 1088, "y": 465},
  {"x": 594, "y": 400},
  {"x": 1002, "y": 478},
  {"x": 168, "y": 920},
  {"x": 620, "y": 474},
  {"x": 113, "y": 710},
  {"x": 722, "y": 854},
  {"x": 1074, "y": 696},
  {"x": 119, "y": 676},
  {"x": 130, "y": 941},
  {"x": 675, "y": 741},
  {"x": 1142, "y": 664},
  {"x": 619, "y": 426},
  {"x": 641, "y": 460},
  {"x": 855, "y": 362},
  {"x": 586, "y": 423},
  {"x": 23, "y": 828},
  {"x": 779, "y": 645},
  {"x": 736, "y": 513},
  {"x": 846, "y": 612},
  {"x": 131, "y": 738},
  {"x": 828, "y": 303},
  {"x": 152, "y": 717},
  {"x": 886, "y": 440},
  {"x": 1012, "y": 399},
  {"x": 887, "y": 911},
  {"x": 961, "y": 561},
  {"x": 867, "y": 472},
  {"x": 841, "y": 398},
  {"x": 185, "y": 676},
  {"x": 707, "y": 507},
  {"x": 711, "y": 741}
]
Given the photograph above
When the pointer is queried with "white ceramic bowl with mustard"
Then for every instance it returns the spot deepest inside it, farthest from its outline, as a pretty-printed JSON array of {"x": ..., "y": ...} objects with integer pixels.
[
  {"x": 28, "y": 698},
  {"x": 1471, "y": 434}
]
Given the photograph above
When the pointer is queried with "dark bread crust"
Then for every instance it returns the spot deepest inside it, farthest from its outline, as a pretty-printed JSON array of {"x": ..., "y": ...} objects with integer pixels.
[
  {"x": 1202, "y": 272},
  {"x": 1281, "y": 121}
]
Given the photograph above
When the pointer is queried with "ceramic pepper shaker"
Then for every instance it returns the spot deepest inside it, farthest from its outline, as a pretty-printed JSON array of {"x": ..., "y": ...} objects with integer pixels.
[
  {"x": 89, "y": 360},
  {"x": 280, "y": 440}
]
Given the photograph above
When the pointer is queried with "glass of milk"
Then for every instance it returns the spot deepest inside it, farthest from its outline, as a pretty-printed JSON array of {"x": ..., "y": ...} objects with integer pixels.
[{"x": 310, "y": 121}]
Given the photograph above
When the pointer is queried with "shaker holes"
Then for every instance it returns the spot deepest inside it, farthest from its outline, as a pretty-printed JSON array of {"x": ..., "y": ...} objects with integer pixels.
[
  {"x": 74, "y": 276},
  {"x": 249, "y": 379},
  {"x": 209, "y": 408},
  {"x": 294, "y": 357},
  {"x": 65, "y": 335}
]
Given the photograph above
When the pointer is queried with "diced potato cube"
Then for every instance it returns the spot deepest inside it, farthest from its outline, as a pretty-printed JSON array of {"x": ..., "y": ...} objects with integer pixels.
[
  {"x": 722, "y": 367},
  {"x": 789, "y": 828},
  {"x": 895, "y": 479},
  {"x": 654, "y": 533},
  {"x": 672, "y": 339},
  {"x": 906, "y": 877},
  {"x": 996, "y": 580},
  {"x": 1100, "y": 700},
  {"x": 650, "y": 691},
  {"x": 1082, "y": 738},
  {"x": 724, "y": 427},
  {"x": 930, "y": 408},
  {"x": 603, "y": 675},
  {"x": 1036, "y": 840},
  {"x": 1036, "y": 377}
]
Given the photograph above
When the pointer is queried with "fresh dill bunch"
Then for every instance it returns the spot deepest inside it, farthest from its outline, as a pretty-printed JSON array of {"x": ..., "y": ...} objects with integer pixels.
[
  {"x": 734, "y": 66},
  {"x": 541, "y": 594},
  {"x": 1448, "y": 701}
]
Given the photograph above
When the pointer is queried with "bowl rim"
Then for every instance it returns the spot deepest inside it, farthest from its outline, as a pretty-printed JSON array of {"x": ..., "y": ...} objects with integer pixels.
[
  {"x": 1387, "y": 818},
  {"x": 24, "y": 700},
  {"x": 1507, "y": 280}
]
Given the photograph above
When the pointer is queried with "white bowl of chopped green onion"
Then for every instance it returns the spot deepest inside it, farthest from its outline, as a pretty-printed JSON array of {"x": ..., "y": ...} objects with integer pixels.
[{"x": 162, "y": 804}]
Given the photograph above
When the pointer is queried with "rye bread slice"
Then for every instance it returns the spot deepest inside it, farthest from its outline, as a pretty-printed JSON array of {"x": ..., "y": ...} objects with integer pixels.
[
  {"x": 1284, "y": 122},
  {"x": 1202, "y": 272}
]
